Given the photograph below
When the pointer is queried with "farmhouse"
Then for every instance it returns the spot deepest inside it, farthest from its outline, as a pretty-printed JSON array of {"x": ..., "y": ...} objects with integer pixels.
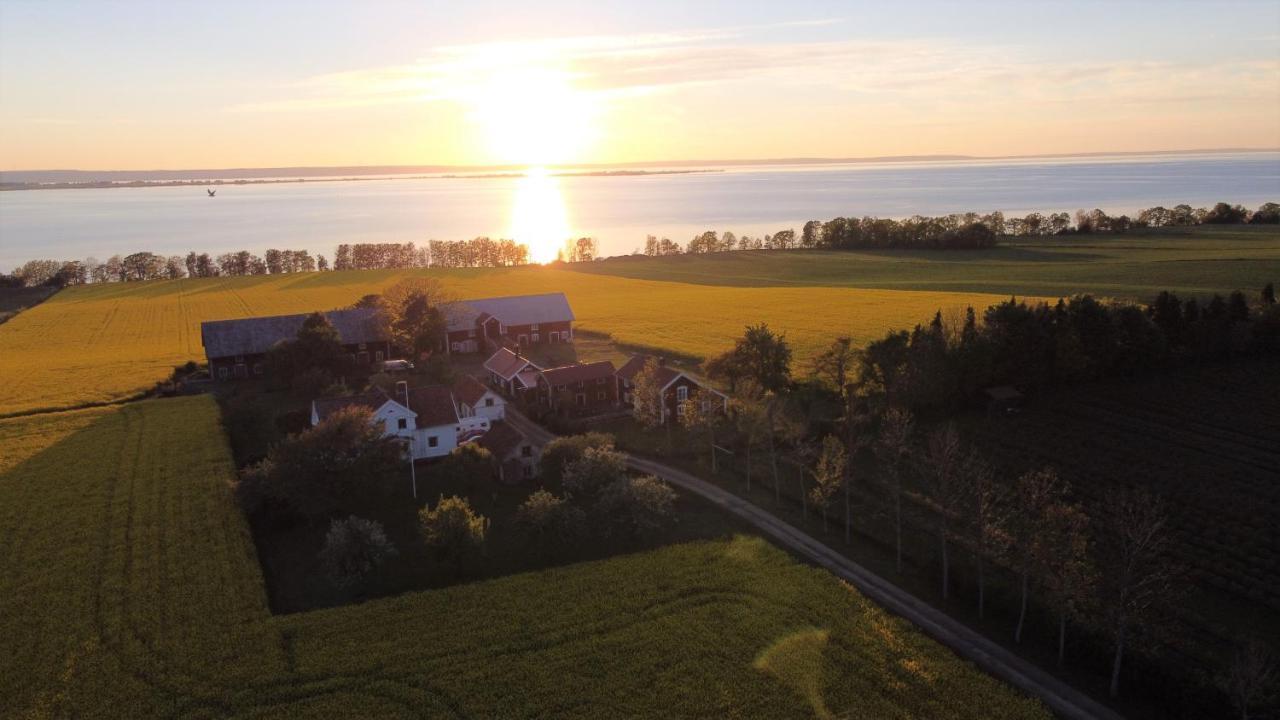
[
  {"x": 515, "y": 456},
  {"x": 426, "y": 418},
  {"x": 516, "y": 321},
  {"x": 476, "y": 400},
  {"x": 238, "y": 348},
  {"x": 677, "y": 386},
  {"x": 512, "y": 373},
  {"x": 580, "y": 389}
]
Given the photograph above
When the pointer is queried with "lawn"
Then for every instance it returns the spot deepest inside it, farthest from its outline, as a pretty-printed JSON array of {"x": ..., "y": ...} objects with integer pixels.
[
  {"x": 97, "y": 344},
  {"x": 131, "y": 588}
]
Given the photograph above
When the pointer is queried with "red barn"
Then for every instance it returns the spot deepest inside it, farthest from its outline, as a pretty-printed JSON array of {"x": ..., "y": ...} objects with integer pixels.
[
  {"x": 677, "y": 386},
  {"x": 517, "y": 321},
  {"x": 238, "y": 348},
  {"x": 581, "y": 389}
]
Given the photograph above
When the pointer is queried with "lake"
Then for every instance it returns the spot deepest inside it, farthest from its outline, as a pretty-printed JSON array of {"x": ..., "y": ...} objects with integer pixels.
[{"x": 619, "y": 211}]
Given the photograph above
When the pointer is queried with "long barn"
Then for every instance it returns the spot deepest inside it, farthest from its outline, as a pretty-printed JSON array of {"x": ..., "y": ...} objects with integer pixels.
[{"x": 238, "y": 348}]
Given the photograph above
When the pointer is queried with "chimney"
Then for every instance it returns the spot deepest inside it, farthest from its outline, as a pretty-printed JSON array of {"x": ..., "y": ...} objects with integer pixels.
[{"x": 402, "y": 390}]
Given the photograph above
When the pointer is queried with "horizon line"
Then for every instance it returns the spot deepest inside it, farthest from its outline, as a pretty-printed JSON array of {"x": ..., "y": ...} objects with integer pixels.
[{"x": 800, "y": 160}]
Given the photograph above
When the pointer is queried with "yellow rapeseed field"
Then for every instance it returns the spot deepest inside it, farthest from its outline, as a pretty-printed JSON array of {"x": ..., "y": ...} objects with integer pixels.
[
  {"x": 130, "y": 588},
  {"x": 96, "y": 344}
]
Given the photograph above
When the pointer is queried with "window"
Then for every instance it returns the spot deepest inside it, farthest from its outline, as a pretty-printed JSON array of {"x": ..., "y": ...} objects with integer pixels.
[
  {"x": 378, "y": 356},
  {"x": 600, "y": 381},
  {"x": 471, "y": 333},
  {"x": 528, "y": 471},
  {"x": 362, "y": 357},
  {"x": 364, "y": 346},
  {"x": 680, "y": 409},
  {"x": 433, "y": 441},
  {"x": 242, "y": 370},
  {"x": 524, "y": 340},
  {"x": 582, "y": 400},
  {"x": 601, "y": 396},
  {"x": 534, "y": 328},
  {"x": 554, "y": 337},
  {"x": 457, "y": 347},
  {"x": 223, "y": 372},
  {"x": 535, "y": 337},
  {"x": 562, "y": 388},
  {"x": 257, "y": 368},
  {"x": 682, "y": 393},
  {"x": 526, "y": 451},
  {"x": 402, "y": 423},
  {"x": 488, "y": 402}
]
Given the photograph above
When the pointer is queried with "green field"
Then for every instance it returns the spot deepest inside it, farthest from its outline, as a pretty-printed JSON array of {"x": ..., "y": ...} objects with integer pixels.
[
  {"x": 131, "y": 589},
  {"x": 1136, "y": 266}
]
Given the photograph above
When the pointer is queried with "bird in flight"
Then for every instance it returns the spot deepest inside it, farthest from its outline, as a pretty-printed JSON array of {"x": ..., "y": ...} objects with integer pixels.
[{"x": 211, "y": 192}]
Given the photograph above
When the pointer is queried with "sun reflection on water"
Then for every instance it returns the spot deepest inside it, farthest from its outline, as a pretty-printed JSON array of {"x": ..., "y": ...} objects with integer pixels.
[{"x": 539, "y": 217}]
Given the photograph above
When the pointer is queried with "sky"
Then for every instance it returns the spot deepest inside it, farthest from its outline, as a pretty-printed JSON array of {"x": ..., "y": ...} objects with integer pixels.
[{"x": 142, "y": 85}]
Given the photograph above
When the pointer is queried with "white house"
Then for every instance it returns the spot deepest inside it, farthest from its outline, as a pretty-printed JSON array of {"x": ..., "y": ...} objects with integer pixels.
[
  {"x": 426, "y": 417},
  {"x": 477, "y": 400}
]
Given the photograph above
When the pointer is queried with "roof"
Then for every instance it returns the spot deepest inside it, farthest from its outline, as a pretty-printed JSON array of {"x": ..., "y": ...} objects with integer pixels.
[
  {"x": 469, "y": 390},
  {"x": 512, "y": 310},
  {"x": 434, "y": 405},
  {"x": 632, "y": 368},
  {"x": 324, "y": 407},
  {"x": 253, "y": 336},
  {"x": 501, "y": 439},
  {"x": 581, "y": 372},
  {"x": 506, "y": 364}
]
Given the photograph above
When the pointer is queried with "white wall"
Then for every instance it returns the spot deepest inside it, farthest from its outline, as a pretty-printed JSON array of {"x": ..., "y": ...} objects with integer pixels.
[{"x": 446, "y": 440}]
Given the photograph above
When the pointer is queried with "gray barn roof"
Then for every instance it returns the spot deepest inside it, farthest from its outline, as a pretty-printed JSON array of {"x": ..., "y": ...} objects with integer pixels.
[
  {"x": 251, "y": 336},
  {"x": 513, "y": 310}
]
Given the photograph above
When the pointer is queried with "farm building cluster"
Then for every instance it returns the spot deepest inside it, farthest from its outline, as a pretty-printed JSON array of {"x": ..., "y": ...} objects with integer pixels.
[{"x": 433, "y": 420}]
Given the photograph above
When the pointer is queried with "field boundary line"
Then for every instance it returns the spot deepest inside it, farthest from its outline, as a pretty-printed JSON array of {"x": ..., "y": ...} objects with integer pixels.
[{"x": 1061, "y": 698}]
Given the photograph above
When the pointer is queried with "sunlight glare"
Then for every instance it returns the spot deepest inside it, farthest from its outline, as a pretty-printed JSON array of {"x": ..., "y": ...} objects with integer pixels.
[
  {"x": 533, "y": 116},
  {"x": 538, "y": 215}
]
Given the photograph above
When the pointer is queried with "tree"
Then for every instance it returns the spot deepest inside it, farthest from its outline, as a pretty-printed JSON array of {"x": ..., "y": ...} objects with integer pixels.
[
  {"x": 1034, "y": 492},
  {"x": 37, "y": 272},
  {"x": 411, "y": 311},
  {"x": 635, "y": 505},
  {"x": 342, "y": 464},
  {"x": 702, "y": 417},
  {"x": 1269, "y": 294},
  {"x": 587, "y": 476},
  {"x": 321, "y": 263},
  {"x": 725, "y": 368},
  {"x": 354, "y": 548},
  {"x": 564, "y": 451},
  {"x": 1250, "y": 679},
  {"x": 648, "y": 400},
  {"x": 751, "y": 418},
  {"x": 453, "y": 530},
  {"x": 1136, "y": 575},
  {"x": 765, "y": 357},
  {"x": 1066, "y": 575},
  {"x": 891, "y": 448},
  {"x": 548, "y": 520},
  {"x": 984, "y": 502},
  {"x": 828, "y": 475},
  {"x": 1224, "y": 214},
  {"x": 944, "y": 487},
  {"x": 314, "y": 357},
  {"x": 835, "y": 365},
  {"x": 174, "y": 268}
]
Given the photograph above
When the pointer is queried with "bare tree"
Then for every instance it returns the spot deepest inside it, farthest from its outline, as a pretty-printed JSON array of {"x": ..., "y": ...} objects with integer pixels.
[
  {"x": 1066, "y": 574},
  {"x": 946, "y": 464},
  {"x": 750, "y": 417},
  {"x": 702, "y": 416},
  {"x": 1250, "y": 678},
  {"x": 828, "y": 475},
  {"x": 1136, "y": 575},
  {"x": 836, "y": 364},
  {"x": 892, "y": 445},
  {"x": 1035, "y": 491},
  {"x": 985, "y": 503}
]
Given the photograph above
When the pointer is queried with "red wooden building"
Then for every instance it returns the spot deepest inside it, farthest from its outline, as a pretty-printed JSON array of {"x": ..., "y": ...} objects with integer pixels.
[
  {"x": 486, "y": 324},
  {"x": 677, "y": 386},
  {"x": 238, "y": 348}
]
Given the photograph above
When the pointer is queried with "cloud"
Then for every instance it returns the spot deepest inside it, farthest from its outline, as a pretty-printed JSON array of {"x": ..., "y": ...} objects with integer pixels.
[{"x": 929, "y": 73}]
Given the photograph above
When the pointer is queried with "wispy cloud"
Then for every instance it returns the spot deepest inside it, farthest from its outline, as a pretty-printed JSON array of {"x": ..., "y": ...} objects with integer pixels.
[{"x": 935, "y": 73}]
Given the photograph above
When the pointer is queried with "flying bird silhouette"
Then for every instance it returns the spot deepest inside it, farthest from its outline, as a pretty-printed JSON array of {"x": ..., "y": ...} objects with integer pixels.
[{"x": 211, "y": 192}]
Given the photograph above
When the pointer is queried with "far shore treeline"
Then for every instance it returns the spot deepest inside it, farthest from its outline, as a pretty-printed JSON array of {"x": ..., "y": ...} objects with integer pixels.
[{"x": 958, "y": 231}]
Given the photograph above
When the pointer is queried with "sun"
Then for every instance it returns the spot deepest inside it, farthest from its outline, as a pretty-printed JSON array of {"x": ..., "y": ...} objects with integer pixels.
[{"x": 533, "y": 116}]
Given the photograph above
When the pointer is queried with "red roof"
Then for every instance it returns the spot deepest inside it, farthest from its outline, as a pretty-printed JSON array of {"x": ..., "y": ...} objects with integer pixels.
[
  {"x": 434, "y": 406},
  {"x": 469, "y": 390},
  {"x": 501, "y": 439},
  {"x": 632, "y": 368},
  {"x": 581, "y": 372},
  {"x": 506, "y": 364}
]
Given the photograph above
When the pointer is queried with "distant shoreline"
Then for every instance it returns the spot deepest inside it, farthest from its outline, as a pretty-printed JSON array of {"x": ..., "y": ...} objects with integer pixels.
[
  {"x": 219, "y": 182},
  {"x": 72, "y": 179}
]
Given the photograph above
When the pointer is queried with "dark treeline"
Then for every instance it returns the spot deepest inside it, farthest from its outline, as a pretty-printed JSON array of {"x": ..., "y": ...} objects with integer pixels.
[
  {"x": 959, "y": 230},
  {"x": 949, "y": 361}
]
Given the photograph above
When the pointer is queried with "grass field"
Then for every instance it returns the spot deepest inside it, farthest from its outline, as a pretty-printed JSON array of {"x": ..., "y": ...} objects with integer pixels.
[
  {"x": 96, "y": 344},
  {"x": 1135, "y": 266},
  {"x": 130, "y": 589}
]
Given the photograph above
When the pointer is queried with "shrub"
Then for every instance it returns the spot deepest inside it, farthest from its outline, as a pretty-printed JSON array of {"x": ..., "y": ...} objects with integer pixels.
[
  {"x": 453, "y": 530},
  {"x": 562, "y": 451},
  {"x": 585, "y": 477},
  {"x": 634, "y": 506},
  {"x": 548, "y": 520},
  {"x": 353, "y": 549}
]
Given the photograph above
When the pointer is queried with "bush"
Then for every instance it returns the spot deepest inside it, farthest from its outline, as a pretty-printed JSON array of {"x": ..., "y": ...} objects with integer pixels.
[
  {"x": 453, "y": 530},
  {"x": 564, "y": 450},
  {"x": 585, "y": 477},
  {"x": 635, "y": 506},
  {"x": 353, "y": 549},
  {"x": 548, "y": 520}
]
